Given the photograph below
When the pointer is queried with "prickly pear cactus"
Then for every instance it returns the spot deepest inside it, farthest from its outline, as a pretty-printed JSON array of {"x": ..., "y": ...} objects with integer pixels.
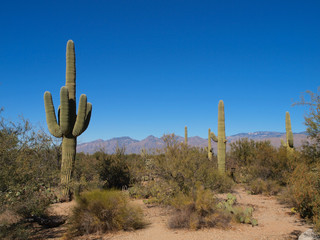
[
  {"x": 70, "y": 124},
  {"x": 242, "y": 215},
  {"x": 221, "y": 139}
]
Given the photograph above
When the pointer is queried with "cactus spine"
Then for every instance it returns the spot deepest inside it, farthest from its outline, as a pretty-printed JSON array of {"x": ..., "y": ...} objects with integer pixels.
[
  {"x": 289, "y": 134},
  {"x": 69, "y": 125},
  {"x": 221, "y": 139},
  {"x": 186, "y": 135},
  {"x": 209, "y": 145}
]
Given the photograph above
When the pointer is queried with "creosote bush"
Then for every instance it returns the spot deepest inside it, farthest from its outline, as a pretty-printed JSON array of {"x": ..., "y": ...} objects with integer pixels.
[
  {"x": 202, "y": 209},
  {"x": 29, "y": 175},
  {"x": 101, "y": 211},
  {"x": 197, "y": 210},
  {"x": 261, "y": 166}
]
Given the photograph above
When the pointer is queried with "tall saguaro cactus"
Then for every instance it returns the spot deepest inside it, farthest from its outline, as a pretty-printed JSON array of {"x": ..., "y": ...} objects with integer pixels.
[
  {"x": 221, "y": 139},
  {"x": 186, "y": 135},
  {"x": 209, "y": 145},
  {"x": 289, "y": 134},
  {"x": 70, "y": 124}
]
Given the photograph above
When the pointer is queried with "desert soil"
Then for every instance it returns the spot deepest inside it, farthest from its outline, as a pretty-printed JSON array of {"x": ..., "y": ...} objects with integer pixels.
[{"x": 275, "y": 220}]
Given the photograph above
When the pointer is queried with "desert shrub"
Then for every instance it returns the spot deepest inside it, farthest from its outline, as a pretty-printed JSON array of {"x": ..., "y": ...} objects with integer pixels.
[
  {"x": 29, "y": 175},
  {"x": 185, "y": 166},
  {"x": 304, "y": 186},
  {"x": 202, "y": 209},
  {"x": 218, "y": 182},
  {"x": 197, "y": 210},
  {"x": 139, "y": 166},
  {"x": 15, "y": 231},
  {"x": 29, "y": 167},
  {"x": 103, "y": 211},
  {"x": 267, "y": 187},
  {"x": 102, "y": 170},
  {"x": 114, "y": 170},
  {"x": 304, "y": 183},
  {"x": 261, "y": 166}
]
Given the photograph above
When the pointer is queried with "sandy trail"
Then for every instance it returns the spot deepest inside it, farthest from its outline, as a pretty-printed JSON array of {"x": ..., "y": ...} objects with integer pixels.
[{"x": 275, "y": 222}]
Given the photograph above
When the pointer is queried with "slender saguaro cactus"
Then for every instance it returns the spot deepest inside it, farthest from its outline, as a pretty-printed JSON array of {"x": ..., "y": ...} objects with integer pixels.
[
  {"x": 186, "y": 135},
  {"x": 289, "y": 134},
  {"x": 69, "y": 125},
  {"x": 221, "y": 139},
  {"x": 209, "y": 145}
]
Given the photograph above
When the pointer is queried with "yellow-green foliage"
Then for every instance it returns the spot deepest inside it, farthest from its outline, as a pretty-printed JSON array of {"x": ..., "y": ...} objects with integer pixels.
[
  {"x": 304, "y": 184},
  {"x": 202, "y": 209},
  {"x": 103, "y": 211},
  {"x": 260, "y": 160},
  {"x": 184, "y": 166},
  {"x": 197, "y": 210},
  {"x": 267, "y": 187}
]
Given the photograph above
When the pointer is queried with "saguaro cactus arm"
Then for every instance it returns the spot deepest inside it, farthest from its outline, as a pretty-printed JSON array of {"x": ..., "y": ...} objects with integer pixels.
[
  {"x": 80, "y": 123},
  {"x": 88, "y": 116},
  {"x": 213, "y": 137},
  {"x": 53, "y": 126}
]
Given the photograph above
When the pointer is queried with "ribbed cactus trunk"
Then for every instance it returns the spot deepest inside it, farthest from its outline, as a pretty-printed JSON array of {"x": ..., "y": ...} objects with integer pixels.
[
  {"x": 68, "y": 159},
  {"x": 69, "y": 125},
  {"x": 209, "y": 145},
  {"x": 221, "y": 139},
  {"x": 289, "y": 135},
  {"x": 186, "y": 135}
]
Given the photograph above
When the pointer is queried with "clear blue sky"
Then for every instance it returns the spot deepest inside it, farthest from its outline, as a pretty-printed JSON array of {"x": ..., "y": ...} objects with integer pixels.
[{"x": 152, "y": 67}]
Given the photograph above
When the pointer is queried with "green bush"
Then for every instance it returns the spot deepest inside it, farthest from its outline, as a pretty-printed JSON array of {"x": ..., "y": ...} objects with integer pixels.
[
  {"x": 304, "y": 185},
  {"x": 114, "y": 170},
  {"x": 29, "y": 175},
  {"x": 29, "y": 167},
  {"x": 264, "y": 168},
  {"x": 104, "y": 211}
]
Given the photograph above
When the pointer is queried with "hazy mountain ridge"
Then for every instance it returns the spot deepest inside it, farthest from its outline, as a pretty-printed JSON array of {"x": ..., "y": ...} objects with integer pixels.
[{"x": 152, "y": 142}]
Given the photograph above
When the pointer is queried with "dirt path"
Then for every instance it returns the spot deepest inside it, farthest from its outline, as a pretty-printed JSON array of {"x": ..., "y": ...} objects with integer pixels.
[{"x": 275, "y": 222}]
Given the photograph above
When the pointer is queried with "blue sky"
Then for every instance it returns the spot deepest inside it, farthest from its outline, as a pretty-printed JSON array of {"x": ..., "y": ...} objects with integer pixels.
[{"x": 152, "y": 67}]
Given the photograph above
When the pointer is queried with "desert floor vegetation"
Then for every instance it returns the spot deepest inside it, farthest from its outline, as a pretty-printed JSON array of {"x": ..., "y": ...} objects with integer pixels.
[{"x": 180, "y": 180}]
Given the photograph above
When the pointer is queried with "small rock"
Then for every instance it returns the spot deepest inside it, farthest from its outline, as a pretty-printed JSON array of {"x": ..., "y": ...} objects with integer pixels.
[{"x": 309, "y": 235}]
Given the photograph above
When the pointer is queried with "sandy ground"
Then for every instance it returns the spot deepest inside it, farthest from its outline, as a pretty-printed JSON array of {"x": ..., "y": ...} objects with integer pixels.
[{"x": 275, "y": 222}]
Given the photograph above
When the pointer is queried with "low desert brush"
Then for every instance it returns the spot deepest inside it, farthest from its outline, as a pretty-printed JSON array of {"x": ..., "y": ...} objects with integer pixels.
[{"x": 104, "y": 211}]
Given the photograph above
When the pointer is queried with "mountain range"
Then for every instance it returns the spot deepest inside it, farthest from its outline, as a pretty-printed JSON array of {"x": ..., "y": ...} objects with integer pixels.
[{"x": 151, "y": 142}]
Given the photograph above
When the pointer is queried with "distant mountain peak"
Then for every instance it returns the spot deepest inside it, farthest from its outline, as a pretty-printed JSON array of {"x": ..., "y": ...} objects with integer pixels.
[{"x": 152, "y": 142}]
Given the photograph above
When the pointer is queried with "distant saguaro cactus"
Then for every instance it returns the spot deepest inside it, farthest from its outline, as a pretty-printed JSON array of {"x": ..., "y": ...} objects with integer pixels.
[
  {"x": 186, "y": 135},
  {"x": 209, "y": 145},
  {"x": 69, "y": 125},
  {"x": 289, "y": 134},
  {"x": 221, "y": 139}
]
